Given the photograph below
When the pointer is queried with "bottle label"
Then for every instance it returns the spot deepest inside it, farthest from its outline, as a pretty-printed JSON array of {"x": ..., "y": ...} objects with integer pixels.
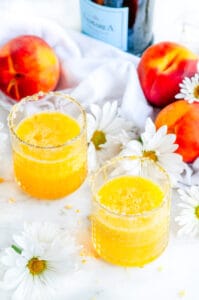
[{"x": 105, "y": 23}]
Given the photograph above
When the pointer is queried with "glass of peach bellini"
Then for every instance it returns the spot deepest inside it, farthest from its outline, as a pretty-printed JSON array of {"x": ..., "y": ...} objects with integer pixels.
[
  {"x": 48, "y": 137},
  {"x": 130, "y": 211}
]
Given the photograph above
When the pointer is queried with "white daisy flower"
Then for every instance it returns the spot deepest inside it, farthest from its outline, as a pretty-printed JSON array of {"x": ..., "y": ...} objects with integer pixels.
[
  {"x": 107, "y": 133},
  {"x": 37, "y": 262},
  {"x": 190, "y": 176},
  {"x": 189, "y": 89},
  {"x": 189, "y": 215},
  {"x": 158, "y": 146}
]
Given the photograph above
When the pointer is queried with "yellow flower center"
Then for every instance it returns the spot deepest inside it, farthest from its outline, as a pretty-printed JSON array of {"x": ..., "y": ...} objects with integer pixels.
[
  {"x": 150, "y": 154},
  {"x": 197, "y": 211},
  {"x": 36, "y": 266},
  {"x": 196, "y": 91},
  {"x": 98, "y": 139}
]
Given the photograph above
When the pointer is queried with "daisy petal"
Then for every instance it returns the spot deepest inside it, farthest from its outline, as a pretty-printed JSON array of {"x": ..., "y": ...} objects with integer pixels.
[{"x": 188, "y": 218}]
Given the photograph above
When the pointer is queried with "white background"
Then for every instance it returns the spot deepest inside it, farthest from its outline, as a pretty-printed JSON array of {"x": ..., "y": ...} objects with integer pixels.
[{"x": 169, "y": 15}]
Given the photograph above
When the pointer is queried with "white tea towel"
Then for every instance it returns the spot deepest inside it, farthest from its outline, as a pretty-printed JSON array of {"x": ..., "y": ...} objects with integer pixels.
[{"x": 91, "y": 71}]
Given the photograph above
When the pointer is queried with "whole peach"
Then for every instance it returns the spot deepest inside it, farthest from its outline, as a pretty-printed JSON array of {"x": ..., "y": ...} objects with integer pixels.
[
  {"x": 182, "y": 118},
  {"x": 27, "y": 65},
  {"x": 162, "y": 67}
]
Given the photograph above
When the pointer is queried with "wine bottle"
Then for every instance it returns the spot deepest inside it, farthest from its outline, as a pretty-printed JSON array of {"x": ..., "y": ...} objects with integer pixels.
[
  {"x": 126, "y": 24},
  {"x": 133, "y": 7},
  {"x": 101, "y": 2},
  {"x": 140, "y": 34},
  {"x": 113, "y": 3}
]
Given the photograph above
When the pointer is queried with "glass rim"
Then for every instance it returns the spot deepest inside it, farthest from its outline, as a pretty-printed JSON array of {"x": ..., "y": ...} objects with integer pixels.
[
  {"x": 123, "y": 215},
  {"x": 33, "y": 98}
]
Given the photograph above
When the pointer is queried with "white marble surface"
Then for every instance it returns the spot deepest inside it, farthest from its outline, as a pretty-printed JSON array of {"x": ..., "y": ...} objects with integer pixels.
[
  {"x": 171, "y": 276},
  {"x": 174, "y": 275}
]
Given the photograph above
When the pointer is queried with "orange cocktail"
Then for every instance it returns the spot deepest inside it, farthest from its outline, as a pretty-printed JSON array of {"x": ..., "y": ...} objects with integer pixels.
[
  {"x": 49, "y": 145},
  {"x": 130, "y": 219}
]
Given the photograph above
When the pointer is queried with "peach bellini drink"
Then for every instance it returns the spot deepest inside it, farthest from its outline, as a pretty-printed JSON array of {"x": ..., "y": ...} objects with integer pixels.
[
  {"x": 48, "y": 136},
  {"x": 130, "y": 211}
]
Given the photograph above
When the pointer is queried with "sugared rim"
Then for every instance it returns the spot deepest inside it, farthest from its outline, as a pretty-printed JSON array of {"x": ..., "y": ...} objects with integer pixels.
[
  {"x": 35, "y": 97},
  {"x": 129, "y": 216}
]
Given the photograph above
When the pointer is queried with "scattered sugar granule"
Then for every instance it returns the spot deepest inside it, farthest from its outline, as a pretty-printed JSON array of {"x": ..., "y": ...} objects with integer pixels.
[
  {"x": 82, "y": 253},
  {"x": 68, "y": 206},
  {"x": 181, "y": 293},
  {"x": 160, "y": 268},
  {"x": 83, "y": 261},
  {"x": 11, "y": 200},
  {"x": 79, "y": 222}
]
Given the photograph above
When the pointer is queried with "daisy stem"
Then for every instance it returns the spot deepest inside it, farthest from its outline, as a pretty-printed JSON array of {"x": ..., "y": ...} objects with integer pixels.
[{"x": 16, "y": 249}]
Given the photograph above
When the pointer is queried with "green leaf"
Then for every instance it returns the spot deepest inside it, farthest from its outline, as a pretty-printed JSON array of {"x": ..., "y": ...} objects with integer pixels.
[
  {"x": 16, "y": 249},
  {"x": 140, "y": 139}
]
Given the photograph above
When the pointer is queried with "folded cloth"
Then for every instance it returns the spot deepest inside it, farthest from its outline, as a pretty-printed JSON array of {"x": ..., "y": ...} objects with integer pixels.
[{"x": 91, "y": 71}]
